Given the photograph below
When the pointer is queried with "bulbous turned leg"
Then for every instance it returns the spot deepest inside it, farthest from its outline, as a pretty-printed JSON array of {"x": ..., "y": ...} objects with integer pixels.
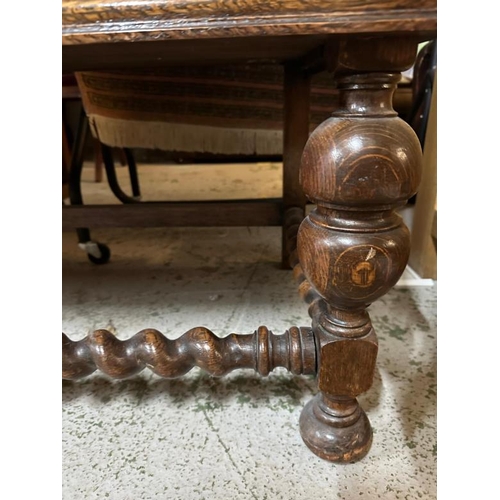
[{"x": 358, "y": 167}]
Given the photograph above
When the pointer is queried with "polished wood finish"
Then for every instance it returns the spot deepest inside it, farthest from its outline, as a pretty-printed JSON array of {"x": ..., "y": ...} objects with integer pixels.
[
  {"x": 93, "y": 21},
  {"x": 293, "y": 219},
  {"x": 262, "y": 351},
  {"x": 97, "y": 33},
  {"x": 358, "y": 167},
  {"x": 175, "y": 214},
  {"x": 317, "y": 306}
]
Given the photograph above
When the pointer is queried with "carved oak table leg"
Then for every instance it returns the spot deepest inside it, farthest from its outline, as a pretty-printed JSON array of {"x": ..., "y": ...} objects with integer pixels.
[{"x": 358, "y": 167}]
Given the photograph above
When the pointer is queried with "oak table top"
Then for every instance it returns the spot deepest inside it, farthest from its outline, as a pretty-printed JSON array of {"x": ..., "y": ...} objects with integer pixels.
[{"x": 96, "y": 34}]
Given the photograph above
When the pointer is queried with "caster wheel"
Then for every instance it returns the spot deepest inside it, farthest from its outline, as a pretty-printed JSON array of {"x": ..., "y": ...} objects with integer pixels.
[{"x": 105, "y": 255}]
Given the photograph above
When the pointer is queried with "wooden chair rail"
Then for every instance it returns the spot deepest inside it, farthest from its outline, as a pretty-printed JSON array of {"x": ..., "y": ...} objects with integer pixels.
[{"x": 174, "y": 214}]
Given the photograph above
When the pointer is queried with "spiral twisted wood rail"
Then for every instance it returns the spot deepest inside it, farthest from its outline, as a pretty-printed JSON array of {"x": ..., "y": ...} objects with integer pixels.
[{"x": 263, "y": 351}]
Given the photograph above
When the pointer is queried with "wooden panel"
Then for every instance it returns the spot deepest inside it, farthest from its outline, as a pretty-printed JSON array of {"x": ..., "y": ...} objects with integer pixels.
[
  {"x": 296, "y": 121},
  {"x": 209, "y": 214},
  {"x": 93, "y": 21},
  {"x": 147, "y": 54}
]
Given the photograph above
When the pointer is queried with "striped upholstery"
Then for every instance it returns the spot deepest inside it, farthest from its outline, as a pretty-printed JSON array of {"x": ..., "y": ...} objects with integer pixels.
[{"x": 222, "y": 110}]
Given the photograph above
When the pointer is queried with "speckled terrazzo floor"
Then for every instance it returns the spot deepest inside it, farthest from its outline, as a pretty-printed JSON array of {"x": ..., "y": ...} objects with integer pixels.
[
  {"x": 236, "y": 437},
  {"x": 172, "y": 182}
]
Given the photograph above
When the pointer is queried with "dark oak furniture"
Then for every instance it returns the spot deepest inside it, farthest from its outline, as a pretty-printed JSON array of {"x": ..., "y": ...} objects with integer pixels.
[
  {"x": 229, "y": 113},
  {"x": 357, "y": 167}
]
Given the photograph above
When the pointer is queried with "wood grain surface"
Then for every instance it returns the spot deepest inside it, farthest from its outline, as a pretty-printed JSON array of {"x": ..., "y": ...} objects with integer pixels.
[
  {"x": 175, "y": 214},
  {"x": 262, "y": 351},
  {"x": 93, "y": 21},
  {"x": 358, "y": 166}
]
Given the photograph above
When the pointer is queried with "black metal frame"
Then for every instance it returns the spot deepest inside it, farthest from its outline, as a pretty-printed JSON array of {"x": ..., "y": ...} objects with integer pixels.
[{"x": 76, "y": 167}]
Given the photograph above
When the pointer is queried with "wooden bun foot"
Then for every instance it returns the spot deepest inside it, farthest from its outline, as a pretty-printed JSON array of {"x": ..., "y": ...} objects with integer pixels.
[{"x": 337, "y": 431}]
